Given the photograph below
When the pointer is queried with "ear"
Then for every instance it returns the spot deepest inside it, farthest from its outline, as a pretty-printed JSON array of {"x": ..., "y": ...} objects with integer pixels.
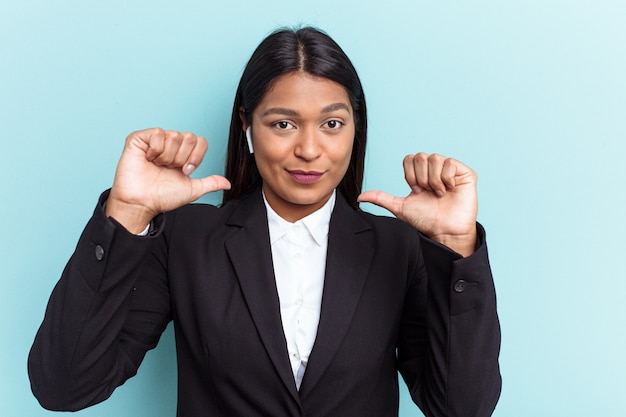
[
  {"x": 246, "y": 128},
  {"x": 249, "y": 139},
  {"x": 242, "y": 117}
]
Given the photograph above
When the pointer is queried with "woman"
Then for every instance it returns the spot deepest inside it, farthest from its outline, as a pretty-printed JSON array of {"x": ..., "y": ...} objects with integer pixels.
[{"x": 287, "y": 300}]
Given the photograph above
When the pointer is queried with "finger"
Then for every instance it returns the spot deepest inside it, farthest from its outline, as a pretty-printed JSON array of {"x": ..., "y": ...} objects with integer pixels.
[
  {"x": 172, "y": 143},
  {"x": 187, "y": 143},
  {"x": 420, "y": 167},
  {"x": 435, "y": 168},
  {"x": 190, "y": 153},
  {"x": 202, "y": 186},
  {"x": 448, "y": 173},
  {"x": 382, "y": 199},
  {"x": 409, "y": 173},
  {"x": 156, "y": 142},
  {"x": 195, "y": 156}
]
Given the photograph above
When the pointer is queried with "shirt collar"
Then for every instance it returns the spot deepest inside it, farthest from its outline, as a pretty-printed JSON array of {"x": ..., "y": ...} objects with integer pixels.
[{"x": 315, "y": 223}]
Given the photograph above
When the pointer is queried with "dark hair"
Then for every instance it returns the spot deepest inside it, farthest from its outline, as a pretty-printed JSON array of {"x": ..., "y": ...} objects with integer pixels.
[{"x": 284, "y": 51}]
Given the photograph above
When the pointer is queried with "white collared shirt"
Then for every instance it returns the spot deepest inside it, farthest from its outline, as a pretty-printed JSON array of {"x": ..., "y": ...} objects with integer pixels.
[{"x": 299, "y": 258}]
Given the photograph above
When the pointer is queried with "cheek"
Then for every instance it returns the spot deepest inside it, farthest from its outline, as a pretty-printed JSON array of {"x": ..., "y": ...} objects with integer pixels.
[
  {"x": 343, "y": 153},
  {"x": 267, "y": 168},
  {"x": 268, "y": 155}
]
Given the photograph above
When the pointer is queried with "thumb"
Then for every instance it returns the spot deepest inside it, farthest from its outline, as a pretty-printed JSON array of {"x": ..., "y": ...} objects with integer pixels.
[
  {"x": 212, "y": 183},
  {"x": 382, "y": 199}
]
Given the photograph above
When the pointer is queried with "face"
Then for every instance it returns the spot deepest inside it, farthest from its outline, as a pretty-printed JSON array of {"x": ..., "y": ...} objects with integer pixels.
[{"x": 302, "y": 135}]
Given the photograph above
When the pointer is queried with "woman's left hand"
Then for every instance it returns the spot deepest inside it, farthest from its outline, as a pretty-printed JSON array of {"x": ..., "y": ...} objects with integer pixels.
[{"x": 443, "y": 202}]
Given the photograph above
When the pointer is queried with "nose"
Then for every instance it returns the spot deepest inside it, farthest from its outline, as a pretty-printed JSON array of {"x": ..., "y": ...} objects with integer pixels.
[{"x": 308, "y": 145}]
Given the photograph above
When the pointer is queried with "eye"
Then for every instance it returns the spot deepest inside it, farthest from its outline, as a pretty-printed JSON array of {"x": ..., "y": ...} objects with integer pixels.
[
  {"x": 283, "y": 125},
  {"x": 333, "y": 124}
]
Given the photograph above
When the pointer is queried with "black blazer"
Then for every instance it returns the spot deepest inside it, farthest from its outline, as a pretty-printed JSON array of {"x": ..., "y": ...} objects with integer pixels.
[{"x": 393, "y": 300}]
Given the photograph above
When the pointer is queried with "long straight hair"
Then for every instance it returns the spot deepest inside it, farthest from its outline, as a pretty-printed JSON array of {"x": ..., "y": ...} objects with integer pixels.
[{"x": 285, "y": 51}]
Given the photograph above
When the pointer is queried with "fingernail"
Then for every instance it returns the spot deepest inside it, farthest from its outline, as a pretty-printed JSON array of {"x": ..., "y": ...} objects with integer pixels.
[
  {"x": 189, "y": 169},
  {"x": 440, "y": 193},
  {"x": 416, "y": 188}
]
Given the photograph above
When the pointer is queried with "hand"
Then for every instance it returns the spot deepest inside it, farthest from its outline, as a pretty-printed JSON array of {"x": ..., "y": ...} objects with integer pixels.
[
  {"x": 152, "y": 176},
  {"x": 443, "y": 202}
]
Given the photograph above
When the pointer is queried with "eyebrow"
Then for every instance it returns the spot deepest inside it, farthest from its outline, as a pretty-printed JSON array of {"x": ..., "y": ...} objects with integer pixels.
[
  {"x": 280, "y": 111},
  {"x": 290, "y": 112}
]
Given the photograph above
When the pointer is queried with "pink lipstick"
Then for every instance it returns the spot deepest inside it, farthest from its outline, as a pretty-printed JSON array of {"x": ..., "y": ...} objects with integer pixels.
[{"x": 305, "y": 177}]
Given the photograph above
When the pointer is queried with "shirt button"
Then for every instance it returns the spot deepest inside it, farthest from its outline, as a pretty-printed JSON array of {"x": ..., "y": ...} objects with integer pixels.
[
  {"x": 99, "y": 252},
  {"x": 460, "y": 286},
  {"x": 299, "y": 302},
  {"x": 297, "y": 255}
]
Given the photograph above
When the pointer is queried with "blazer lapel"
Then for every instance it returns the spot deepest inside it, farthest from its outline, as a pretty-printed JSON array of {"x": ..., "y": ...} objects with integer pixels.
[
  {"x": 350, "y": 252},
  {"x": 250, "y": 252}
]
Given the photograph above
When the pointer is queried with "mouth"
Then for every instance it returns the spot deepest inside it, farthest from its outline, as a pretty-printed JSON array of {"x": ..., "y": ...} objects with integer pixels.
[{"x": 305, "y": 177}]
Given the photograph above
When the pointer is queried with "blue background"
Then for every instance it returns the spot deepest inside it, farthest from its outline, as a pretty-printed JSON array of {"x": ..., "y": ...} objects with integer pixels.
[{"x": 531, "y": 94}]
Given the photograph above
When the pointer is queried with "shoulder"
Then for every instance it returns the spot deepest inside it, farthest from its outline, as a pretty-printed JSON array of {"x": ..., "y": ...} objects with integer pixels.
[
  {"x": 388, "y": 225},
  {"x": 194, "y": 210},
  {"x": 397, "y": 245},
  {"x": 391, "y": 237},
  {"x": 384, "y": 230},
  {"x": 197, "y": 218}
]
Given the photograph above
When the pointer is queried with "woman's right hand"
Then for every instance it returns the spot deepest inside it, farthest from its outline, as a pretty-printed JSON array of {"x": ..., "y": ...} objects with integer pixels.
[{"x": 152, "y": 176}]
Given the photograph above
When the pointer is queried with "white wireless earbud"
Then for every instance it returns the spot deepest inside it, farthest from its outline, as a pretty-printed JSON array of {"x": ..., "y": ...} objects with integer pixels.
[{"x": 249, "y": 138}]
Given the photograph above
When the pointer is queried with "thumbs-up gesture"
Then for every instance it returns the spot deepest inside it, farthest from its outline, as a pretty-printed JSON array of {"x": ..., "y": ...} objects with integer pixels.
[
  {"x": 152, "y": 176},
  {"x": 443, "y": 201}
]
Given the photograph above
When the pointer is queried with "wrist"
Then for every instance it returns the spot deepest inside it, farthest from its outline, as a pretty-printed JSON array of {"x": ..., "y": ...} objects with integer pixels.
[
  {"x": 463, "y": 244},
  {"x": 134, "y": 218}
]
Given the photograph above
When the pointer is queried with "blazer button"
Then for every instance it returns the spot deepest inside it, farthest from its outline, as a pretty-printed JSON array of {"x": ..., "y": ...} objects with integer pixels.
[
  {"x": 99, "y": 252},
  {"x": 459, "y": 286}
]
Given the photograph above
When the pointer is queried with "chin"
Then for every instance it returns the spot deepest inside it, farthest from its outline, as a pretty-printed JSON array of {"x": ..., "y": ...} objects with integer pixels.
[
  {"x": 307, "y": 197},
  {"x": 306, "y": 201}
]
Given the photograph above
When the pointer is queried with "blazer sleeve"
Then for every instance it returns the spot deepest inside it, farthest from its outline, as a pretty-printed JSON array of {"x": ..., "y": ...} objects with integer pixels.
[
  {"x": 102, "y": 316},
  {"x": 453, "y": 370}
]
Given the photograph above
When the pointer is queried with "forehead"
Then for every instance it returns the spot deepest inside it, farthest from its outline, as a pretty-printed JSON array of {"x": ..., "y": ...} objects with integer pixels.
[{"x": 302, "y": 91}]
